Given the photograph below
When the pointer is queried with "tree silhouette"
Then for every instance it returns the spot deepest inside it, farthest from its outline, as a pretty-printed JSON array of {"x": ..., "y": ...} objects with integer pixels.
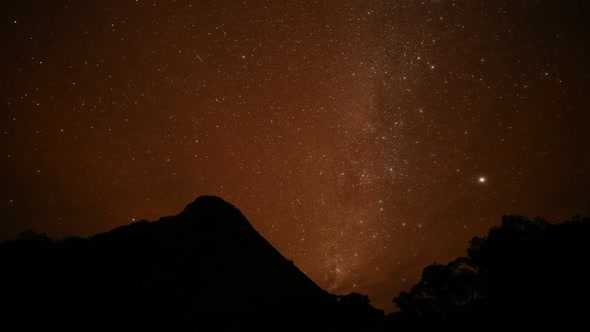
[
  {"x": 33, "y": 236},
  {"x": 357, "y": 314},
  {"x": 443, "y": 290},
  {"x": 525, "y": 273}
]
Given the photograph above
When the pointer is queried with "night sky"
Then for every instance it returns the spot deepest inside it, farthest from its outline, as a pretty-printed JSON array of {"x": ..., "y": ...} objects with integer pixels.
[{"x": 363, "y": 139}]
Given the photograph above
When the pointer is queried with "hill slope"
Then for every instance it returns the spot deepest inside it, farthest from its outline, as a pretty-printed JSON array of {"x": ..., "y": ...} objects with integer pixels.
[{"x": 206, "y": 268}]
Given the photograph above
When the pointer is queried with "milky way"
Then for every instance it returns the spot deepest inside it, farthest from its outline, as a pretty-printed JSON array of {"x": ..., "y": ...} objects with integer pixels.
[{"x": 363, "y": 139}]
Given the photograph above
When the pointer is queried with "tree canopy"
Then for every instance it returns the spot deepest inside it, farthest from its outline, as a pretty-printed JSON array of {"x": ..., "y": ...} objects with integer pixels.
[{"x": 525, "y": 273}]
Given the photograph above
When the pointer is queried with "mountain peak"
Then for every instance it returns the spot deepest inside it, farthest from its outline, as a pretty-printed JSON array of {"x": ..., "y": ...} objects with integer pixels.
[
  {"x": 214, "y": 211},
  {"x": 208, "y": 202},
  {"x": 209, "y": 198}
]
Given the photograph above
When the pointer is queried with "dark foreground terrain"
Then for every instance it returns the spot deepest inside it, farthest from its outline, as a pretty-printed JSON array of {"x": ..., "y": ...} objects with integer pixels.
[
  {"x": 208, "y": 269},
  {"x": 204, "y": 269}
]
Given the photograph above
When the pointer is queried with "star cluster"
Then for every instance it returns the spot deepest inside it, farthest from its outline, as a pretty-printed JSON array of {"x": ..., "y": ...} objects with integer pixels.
[{"x": 363, "y": 139}]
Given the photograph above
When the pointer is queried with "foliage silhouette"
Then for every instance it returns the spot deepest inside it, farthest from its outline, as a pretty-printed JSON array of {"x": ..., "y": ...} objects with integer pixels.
[
  {"x": 525, "y": 274},
  {"x": 357, "y": 314}
]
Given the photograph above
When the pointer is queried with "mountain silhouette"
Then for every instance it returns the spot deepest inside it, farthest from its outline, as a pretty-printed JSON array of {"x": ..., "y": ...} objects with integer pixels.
[{"x": 205, "y": 269}]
